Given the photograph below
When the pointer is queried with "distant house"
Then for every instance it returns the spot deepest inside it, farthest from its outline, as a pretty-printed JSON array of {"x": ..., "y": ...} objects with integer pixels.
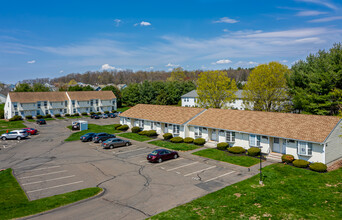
[
  {"x": 121, "y": 86},
  {"x": 190, "y": 100},
  {"x": 309, "y": 137},
  {"x": 70, "y": 102},
  {"x": 2, "y": 98}
]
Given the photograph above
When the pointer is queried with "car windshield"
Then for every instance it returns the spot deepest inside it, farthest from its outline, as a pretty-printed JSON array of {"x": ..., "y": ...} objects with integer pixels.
[{"x": 154, "y": 152}]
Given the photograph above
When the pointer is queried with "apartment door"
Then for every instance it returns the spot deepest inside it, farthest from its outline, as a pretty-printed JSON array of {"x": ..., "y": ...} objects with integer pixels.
[
  {"x": 214, "y": 134},
  {"x": 276, "y": 145},
  {"x": 283, "y": 150},
  {"x": 166, "y": 130}
]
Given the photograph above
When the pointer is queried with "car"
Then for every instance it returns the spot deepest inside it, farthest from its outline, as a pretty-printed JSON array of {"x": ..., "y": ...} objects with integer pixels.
[
  {"x": 161, "y": 154},
  {"x": 15, "y": 134},
  {"x": 115, "y": 142},
  {"x": 104, "y": 116},
  {"x": 95, "y": 116},
  {"x": 31, "y": 131},
  {"x": 87, "y": 137},
  {"x": 41, "y": 121},
  {"x": 112, "y": 115},
  {"x": 100, "y": 137}
]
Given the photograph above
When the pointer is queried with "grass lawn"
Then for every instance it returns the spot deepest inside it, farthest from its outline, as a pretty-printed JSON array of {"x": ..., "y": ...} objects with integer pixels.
[
  {"x": 14, "y": 203},
  {"x": 11, "y": 125},
  {"x": 31, "y": 120},
  {"x": 173, "y": 146},
  {"x": 73, "y": 116},
  {"x": 61, "y": 118},
  {"x": 134, "y": 136},
  {"x": 91, "y": 128},
  {"x": 227, "y": 157},
  {"x": 288, "y": 193},
  {"x": 123, "y": 108},
  {"x": 49, "y": 119}
]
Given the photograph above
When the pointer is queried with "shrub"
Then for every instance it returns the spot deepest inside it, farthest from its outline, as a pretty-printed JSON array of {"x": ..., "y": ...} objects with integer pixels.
[
  {"x": 77, "y": 114},
  {"x": 176, "y": 140},
  {"x": 92, "y": 113},
  {"x": 254, "y": 151},
  {"x": 199, "y": 141},
  {"x": 143, "y": 132},
  {"x": 47, "y": 116},
  {"x": 287, "y": 158},
  {"x": 318, "y": 167},
  {"x": 300, "y": 163},
  {"x": 113, "y": 111},
  {"x": 28, "y": 117},
  {"x": 57, "y": 115},
  {"x": 135, "y": 129},
  {"x": 188, "y": 140},
  {"x": 222, "y": 146},
  {"x": 84, "y": 113},
  {"x": 167, "y": 136},
  {"x": 67, "y": 115},
  {"x": 99, "y": 113},
  {"x": 106, "y": 112},
  {"x": 123, "y": 128},
  {"x": 151, "y": 133},
  {"x": 16, "y": 118},
  {"x": 39, "y": 116},
  {"x": 116, "y": 126},
  {"x": 236, "y": 150}
]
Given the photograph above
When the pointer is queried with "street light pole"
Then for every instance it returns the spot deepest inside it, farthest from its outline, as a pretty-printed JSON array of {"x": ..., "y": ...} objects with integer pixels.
[{"x": 260, "y": 181}]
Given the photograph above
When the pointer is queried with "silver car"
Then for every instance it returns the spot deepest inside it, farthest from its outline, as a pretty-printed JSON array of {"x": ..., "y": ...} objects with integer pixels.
[{"x": 16, "y": 134}]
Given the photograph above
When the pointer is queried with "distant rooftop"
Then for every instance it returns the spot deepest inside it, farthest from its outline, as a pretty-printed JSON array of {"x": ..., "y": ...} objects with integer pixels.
[{"x": 193, "y": 94}]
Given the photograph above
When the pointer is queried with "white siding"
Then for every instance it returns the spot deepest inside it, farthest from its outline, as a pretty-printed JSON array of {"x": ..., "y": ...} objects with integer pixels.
[
  {"x": 333, "y": 149},
  {"x": 189, "y": 102}
]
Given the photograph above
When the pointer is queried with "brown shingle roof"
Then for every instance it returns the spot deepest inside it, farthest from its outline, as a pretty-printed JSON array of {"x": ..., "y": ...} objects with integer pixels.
[
  {"x": 162, "y": 113},
  {"x": 30, "y": 97},
  {"x": 87, "y": 95},
  {"x": 312, "y": 128}
]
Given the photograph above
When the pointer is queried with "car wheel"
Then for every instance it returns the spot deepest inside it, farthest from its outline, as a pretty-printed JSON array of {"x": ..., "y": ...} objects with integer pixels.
[
  {"x": 111, "y": 146},
  {"x": 127, "y": 143},
  {"x": 160, "y": 160},
  {"x": 3, "y": 138},
  {"x": 176, "y": 156},
  {"x": 18, "y": 138}
]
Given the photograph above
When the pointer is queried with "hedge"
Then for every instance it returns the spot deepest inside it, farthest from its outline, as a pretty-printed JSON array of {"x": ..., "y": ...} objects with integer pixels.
[
  {"x": 254, "y": 151},
  {"x": 106, "y": 112},
  {"x": 47, "y": 116},
  {"x": 116, "y": 126},
  {"x": 39, "y": 116},
  {"x": 92, "y": 113},
  {"x": 123, "y": 128},
  {"x": 84, "y": 113},
  {"x": 188, "y": 140},
  {"x": 199, "y": 141},
  {"x": 113, "y": 111},
  {"x": 135, "y": 129},
  {"x": 16, "y": 118},
  {"x": 167, "y": 136},
  {"x": 28, "y": 117},
  {"x": 143, "y": 132},
  {"x": 99, "y": 113},
  {"x": 236, "y": 150},
  {"x": 318, "y": 167},
  {"x": 57, "y": 115},
  {"x": 151, "y": 133},
  {"x": 222, "y": 146},
  {"x": 177, "y": 140},
  {"x": 287, "y": 158},
  {"x": 301, "y": 163}
]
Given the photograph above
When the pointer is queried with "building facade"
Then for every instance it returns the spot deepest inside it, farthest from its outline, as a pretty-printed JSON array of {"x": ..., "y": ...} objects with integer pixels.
[{"x": 44, "y": 103}]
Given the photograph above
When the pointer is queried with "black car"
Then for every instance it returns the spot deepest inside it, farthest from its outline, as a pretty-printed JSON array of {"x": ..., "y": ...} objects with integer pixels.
[
  {"x": 87, "y": 137},
  {"x": 100, "y": 137},
  {"x": 95, "y": 116},
  {"x": 41, "y": 121},
  {"x": 115, "y": 142},
  {"x": 112, "y": 115}
]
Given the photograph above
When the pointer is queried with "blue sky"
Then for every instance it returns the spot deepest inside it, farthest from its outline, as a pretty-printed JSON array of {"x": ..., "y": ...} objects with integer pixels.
[{"x": 54, "y": 38}]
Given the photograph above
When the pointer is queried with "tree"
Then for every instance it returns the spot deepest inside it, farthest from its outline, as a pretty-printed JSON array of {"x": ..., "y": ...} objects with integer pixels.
[
  {"x": 72, "y": 82},
  {"x": 117, "y": 93},
  {"x": 75, "y": 88},
  {"x": 265, "y": 89},
  {"x": 23, "y": 87},
  {"x": 131, "y": 94},
  {"x": 214, "y": 89},
  {"x": 177, "y": 74},
  {"x": 316, "y": 83},
  {"x": 38, "y": 87}
]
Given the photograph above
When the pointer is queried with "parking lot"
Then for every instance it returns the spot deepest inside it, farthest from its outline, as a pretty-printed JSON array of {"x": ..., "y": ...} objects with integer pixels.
[{"x": 135, "y": 189}]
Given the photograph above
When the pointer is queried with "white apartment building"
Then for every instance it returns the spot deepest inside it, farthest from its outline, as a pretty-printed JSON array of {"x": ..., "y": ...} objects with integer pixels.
[{"x": 43, "y": 103}]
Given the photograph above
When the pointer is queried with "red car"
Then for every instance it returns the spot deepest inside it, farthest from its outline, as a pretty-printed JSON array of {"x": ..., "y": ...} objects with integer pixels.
[
  {"x": 161, "y": 154},
  {"x": 31, "y": 130}
]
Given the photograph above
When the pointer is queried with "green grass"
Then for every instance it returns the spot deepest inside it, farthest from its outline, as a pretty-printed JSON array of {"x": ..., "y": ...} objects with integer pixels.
[
  {"x": 91, "y": 128},
  {"x": 11, "y": 125},
  {"x": 73, "y": 116},
  {"x": 49, "y": 119},
  {"x": 123, "y": 108},
  {"x": 288, "y": 193},
  {"x": 173, "y": 146},
  {"x": 31, "y": 120},
  {"x": 14, "y": 203},
  {"x": 215, "y": 154},
  {"x": 135, "y": 136},
  {"x": 60, "y": 118}
]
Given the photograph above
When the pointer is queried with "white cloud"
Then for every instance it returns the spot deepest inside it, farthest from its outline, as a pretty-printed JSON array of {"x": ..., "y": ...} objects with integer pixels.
[
  {"x": 143, "y": 23},
  {"x": 321, "y": 2},
  {"x": 62, "y": 71},
  {"x": 117, "y": 22},
  {"x": 171, "y": 65},
  {"x": 246, "y": 63},
  {"x": 304, "y": 32},
  {"x": 225, "y": 30},
  {"x": 284, "y": 61},
  {"x": 222, "y": 61},
  {"x": 31, "y": 61},
  {"x": 310, "y": 13},
  {"x": 107, "y": 67},
  {"x": 226, "y": 20},
  {"x": 327, "y": 19}
]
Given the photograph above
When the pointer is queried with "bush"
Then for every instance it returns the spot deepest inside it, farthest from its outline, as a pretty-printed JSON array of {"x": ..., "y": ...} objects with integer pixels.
[
  {"x": 222, "y": 146},
  {"x": 188, "y": 140},
  {"x": 84, "y": 113},
  {"x": 39, "y": 116},
  {"x": 116, "y": 126},
  {"x": 143, "y": 132},
  {"x": 106, "y": 112},
  {"x": 28, "y": 117},
  {"x": 76, "y": 114},
  {"x": 151, "y": 133},
  {"x": 16, "y": 118},
  {"x": 167, "y": 136},
  {"x": 47, "y": 116},
  {"x": 177, "y": 140},
  {"x": 199, "y": 141},
  {"x": 236, "y": 150},
  {"x": 318, "y": 167},
  {"x": 113, "y": 111},
  {"x": 287, "y": 158},
  {"x": 67, "y": 115},
  {"x": 254, "y": 151},
  {"x": 123, "y": 128},
  {"x": 57, "y": 115},
  {"x": 92, "y": 113},
  {"x": 300, "y": 163},
  {"x": 99, "y": 113},
  {"x": 135, "y": 129}
]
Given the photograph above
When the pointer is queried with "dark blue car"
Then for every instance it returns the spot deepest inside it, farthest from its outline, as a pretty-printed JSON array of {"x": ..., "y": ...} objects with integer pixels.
[{"x": 87, "y": 137}]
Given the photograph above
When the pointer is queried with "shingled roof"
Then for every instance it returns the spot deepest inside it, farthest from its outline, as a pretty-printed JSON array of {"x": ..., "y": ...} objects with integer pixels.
[
  {"x": 30, "y": 97},
  {"x": 162, "y": 113},
  {"x": 87, "y": 95},
  {"x": 311, "y": 128}
]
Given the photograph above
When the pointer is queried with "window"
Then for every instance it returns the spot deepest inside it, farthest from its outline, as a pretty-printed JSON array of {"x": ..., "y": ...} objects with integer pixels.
[
  {"x": 152, "y": 125},
  {"x": 60, "y": 110},
  {"x": 97, "y": 109},
  {"x": 73, "y": 103},
  {"x": 141, "y": 124},
  {"x": 15, "y": 113},
  {"x": 87, "y": 109},
  {"x": 74, "y": 110},
  {"x": 91, "y": 102},
  {"x": 65, "y": 111},
  {"x": 198, "y": 132},
  {"x": 175, "y": 130},
  {"x": 22, "y": 112},
  {"x": 15, "y": 105},
  {"x": 304, "y": 148},
  {"x": 113, "y": 102},
  {"x": 230, "y": 136},
  {"x": 45, "y": 103},
  {"x": 97, "y": 101},
  {"x": 38, "y": 112},
  {"x": 46, "y": 112},
  {"x": 66, "y": 103},
  {"x": 254, "y": 140}
]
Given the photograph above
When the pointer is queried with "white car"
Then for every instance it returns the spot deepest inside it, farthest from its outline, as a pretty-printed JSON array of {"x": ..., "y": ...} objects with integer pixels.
[{"x": 15, "y": 134}]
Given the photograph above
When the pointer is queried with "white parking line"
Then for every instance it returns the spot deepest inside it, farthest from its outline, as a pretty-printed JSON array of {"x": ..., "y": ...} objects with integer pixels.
[
  {"x": 219, "y": 176},
  {"x": 198, "y": 171},
  {"x": 130, "y": 150},
  {"x": 54, "y": 187},
  {"x": 29, "y": 166},
  {"x": 44, "y": 168},
  {"x": 59, "y": 178},
  {"x": 182, "y": 166},
  {"x": 137, "y": 155},
  {"x": 165, "y": 162},
  {"x": 62, "y": 171}
]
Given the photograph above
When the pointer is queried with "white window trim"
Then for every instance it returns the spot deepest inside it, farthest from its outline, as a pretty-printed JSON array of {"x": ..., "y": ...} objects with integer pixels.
[
  {"x": 176, "y": 130},
  {"x": 198, "y": 132},
  {"x": 230, "y": 136},
  {"x": 257, "y": 140},
  {"x": 308, "y": 148}
]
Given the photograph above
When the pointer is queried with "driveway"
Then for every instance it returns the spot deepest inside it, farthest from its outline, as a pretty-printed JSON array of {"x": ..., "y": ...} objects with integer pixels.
[{"x": 135, "y": 189}]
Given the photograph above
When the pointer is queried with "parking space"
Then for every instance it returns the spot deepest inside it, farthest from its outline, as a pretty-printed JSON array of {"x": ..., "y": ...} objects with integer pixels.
[{"x": 11, "y": 143}]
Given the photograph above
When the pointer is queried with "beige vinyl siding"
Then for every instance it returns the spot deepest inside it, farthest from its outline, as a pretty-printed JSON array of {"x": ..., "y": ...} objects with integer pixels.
[{"x": 333, "y": 148}]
